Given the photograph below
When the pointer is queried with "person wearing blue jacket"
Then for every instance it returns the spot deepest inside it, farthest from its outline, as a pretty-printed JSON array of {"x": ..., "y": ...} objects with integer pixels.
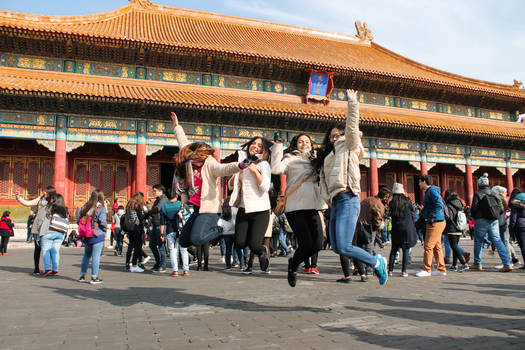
[
  {"x": 94, "y": 245},
  {"x": 434, "y": 214}
]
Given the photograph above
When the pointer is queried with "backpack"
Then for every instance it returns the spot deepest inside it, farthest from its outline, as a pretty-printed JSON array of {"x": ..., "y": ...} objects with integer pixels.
[
  {"x": 85, "y": 227},
  {"x": 461, "y": 221},
  {"x": 489, "y": 206},
  {"x": 128, "y": 223}
]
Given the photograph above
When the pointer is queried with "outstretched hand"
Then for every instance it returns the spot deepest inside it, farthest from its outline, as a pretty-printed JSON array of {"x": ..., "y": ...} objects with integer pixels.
[
  {"x": 174, "y": 119},
  {"x": 352, "y": 95}
]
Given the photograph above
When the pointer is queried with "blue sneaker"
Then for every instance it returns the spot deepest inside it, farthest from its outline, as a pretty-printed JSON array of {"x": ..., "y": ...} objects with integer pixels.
[{"x": 381, "y": 270}]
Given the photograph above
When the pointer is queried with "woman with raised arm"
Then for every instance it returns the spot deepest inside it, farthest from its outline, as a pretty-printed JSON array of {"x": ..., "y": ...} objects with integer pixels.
[
  {"x": 303, "y": 201},
  {"x": 196, "y": 176},
  {"x": 338, "y": 163},
  {"x": 41, "y": 203}
]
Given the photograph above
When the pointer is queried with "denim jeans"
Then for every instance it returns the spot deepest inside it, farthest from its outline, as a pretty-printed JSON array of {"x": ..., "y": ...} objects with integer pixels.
[
  {"x": 174, "y": 246},
  {"x": 199, "y": 229},
  {"x": 50, "y": 245},
  {"x": 482, "y": 227},
  {"x": 92, "y": 251},
  {"x": 343, "y": 219},
  {"x": 118, "y": 240},
  {"x": 241, "y": 256},
  {"x": 448, "y": 249},
  {"x": 282, "y": 241},
  {"x": 157, "y": 248}
]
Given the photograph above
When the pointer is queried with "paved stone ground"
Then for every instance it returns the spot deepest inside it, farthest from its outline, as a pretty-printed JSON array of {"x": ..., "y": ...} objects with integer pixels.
[{"x": 228, "y": 310}]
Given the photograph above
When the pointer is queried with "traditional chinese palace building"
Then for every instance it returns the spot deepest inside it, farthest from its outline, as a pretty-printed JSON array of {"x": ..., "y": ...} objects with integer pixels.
[{"x": 85, "y": 101}]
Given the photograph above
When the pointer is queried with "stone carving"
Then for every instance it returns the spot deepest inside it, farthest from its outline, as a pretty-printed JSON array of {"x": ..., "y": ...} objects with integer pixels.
[
  {"x": 363, "y": 32},
  {"x": 141, "y": 3}
]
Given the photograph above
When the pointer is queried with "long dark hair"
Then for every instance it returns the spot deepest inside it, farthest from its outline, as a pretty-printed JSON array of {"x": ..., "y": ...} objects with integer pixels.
[
  {"x": 59, "y": 206},
  {"x": 398, "y": 205},
  {"x": 6, "y": 214},
  {"x": 513, "y": 194},
  {"x": 97, "y": 196},
  {"x": 50, "y": 192},
  {"x": 266, "y": 145},
  {"x": 295, "y": 140},
  {"x": 450, "y": 195},
  {"x": 197, "y": 151},
  {"x": 326, "y": 147}
]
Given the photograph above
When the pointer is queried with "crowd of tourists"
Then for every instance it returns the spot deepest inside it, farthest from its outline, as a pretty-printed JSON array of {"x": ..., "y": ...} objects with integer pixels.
[{"x": 320, "y": 208}]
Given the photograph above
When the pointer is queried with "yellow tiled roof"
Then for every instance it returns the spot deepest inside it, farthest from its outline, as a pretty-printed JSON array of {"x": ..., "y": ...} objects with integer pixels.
[
  {"x": 70, "y": 85},
  {"x": 142, "y": 21}
]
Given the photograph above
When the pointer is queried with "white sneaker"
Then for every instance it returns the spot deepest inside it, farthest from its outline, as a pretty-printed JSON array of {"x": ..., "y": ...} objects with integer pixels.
[
  {"x": 498, "y": 267},
  {"x": 438, "y": 273},
  {"x": 110, "y": 247},
  {"x": 145, "y": 260},
  {"x": 136, "y": 269},
  {"x": 423, "y": 273}
]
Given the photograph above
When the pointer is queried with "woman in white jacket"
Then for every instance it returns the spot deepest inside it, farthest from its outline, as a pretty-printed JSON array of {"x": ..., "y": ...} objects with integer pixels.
[
  {"x": 250, "y": 195},
  {"x": 303, "y": 203}
]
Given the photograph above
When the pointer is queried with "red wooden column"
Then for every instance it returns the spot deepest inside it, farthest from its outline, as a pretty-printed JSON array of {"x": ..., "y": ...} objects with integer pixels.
[
  {"x": 469, "y": 186},
  {"x": 509, "y": 182},
  {"x": 424, "y": 171},
  {"x": 443, "y": 180},
  {"x": 373, "y": 177},
  {"x": 141, "y": 168},
  {"x": 60, "y": 156}
]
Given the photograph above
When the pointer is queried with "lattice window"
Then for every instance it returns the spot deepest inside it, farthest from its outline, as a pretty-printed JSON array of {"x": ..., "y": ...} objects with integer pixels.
[
  {"x": 152, "y": 179},
  {"x": 121, "y": 181},
  {"x": 33, "y": 168},
  {"x": 47, "y": 174},
  {"x": 4, "y": 178},
  {"x": 108, "y": 185},
  {"x": 94, "y": 176},
  {"x": 411, "y": 188},
  {"x": 18, "y": 175},
  {"x": 81, "y": 180}
]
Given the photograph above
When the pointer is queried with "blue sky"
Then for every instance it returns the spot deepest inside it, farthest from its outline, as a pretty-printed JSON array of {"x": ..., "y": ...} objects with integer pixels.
[{"x": 482, "y": 39}]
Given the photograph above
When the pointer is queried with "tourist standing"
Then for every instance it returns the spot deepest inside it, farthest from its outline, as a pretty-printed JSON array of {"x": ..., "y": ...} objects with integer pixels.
[
  {"x": 134, "y": 227},
  {"x": 94, "y": 209},
  {"x": 156, "y": 239},
  {"x": 6, "y": 231},
  {"x": 517, "y": 220},
  {"x": 171, "y": 225},
  {"x": 30, "y": 220},
  {"x": 41, "y": 203},
  {"x": 455, "y": 205},
  {"x": 486, "y": 210},
  {"x": 434, "y": 215},
  {"x": 55, "y": 226},
  {"x": 118, "y": 230},
  {"x": 340, "y": 176}
]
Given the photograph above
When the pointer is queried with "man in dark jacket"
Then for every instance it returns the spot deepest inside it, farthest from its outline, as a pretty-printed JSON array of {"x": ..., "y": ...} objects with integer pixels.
[
  {"x": 156, "y": 239},
  {"x": 485, "y": 225}
]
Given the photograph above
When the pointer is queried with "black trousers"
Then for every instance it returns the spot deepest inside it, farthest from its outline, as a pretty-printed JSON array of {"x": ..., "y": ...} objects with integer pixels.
[
  {"x": 306, "y": 224},
  {"x": 135, "y": 247},
  {"x": 36, "y": 253},
  {"x": 250, "y": 229},
  {"x": 456, "y": 254},
  {"x": 364, "y": 238},
  {"x": 203, "y": 251},
  {"x": 345, "y": 265},
  {"x": 3, "y": 243}
]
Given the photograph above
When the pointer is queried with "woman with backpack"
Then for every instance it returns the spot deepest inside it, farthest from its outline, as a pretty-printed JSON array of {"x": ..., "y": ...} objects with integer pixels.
[
  {"x": 41, "y": 203},
  {"x": 92, "y": 216},
  {"x": 56, "y": 226},
  {"x": 196, "y": 176},
  {"x": 133, "y": 224},
  {"x": 302, "y": 203},
  {"x": 6, "y": 231},
  {"x": 455, "y": 206},
  {"x": 403, "y": 233}
]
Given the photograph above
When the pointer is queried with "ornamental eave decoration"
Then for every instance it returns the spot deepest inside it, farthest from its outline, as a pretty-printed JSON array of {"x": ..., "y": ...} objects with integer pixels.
[{"x": 320, "y": 86}]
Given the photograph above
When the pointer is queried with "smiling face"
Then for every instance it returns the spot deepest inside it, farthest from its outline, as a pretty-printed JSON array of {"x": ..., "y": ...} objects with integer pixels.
[
  {"x": 304, "y": 144},
  {"x": 335, "y": 134},
  {"x": 256, "y": 147}
]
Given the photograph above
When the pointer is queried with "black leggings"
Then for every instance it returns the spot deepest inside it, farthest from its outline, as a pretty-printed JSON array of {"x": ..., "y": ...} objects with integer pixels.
[
  {"x": 392, "y": 258},
  {"x": 250, "y": 229},
  {"x": 3, "y": 244},
  {"x": 311, "y": 262},
  {"x": 36, "y": 253},
  {"x": 456, "y": 254},
  {"x": 135, "y": 246},
  {"x": 521, "y": 242},
  {"x": 345, "y": 264},
  {"x": 203, "y": 250},
  {"x": 307, "y": 226}
]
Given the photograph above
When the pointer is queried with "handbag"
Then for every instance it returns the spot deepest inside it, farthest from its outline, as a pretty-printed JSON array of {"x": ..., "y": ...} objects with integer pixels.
[
  {"x": 59, "y": 224},
  {"x": 281, "y": 200}
]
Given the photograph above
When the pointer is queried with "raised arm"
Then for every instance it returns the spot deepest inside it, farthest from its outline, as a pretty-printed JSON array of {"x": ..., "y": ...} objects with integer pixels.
[
  {"x": 179, "y": 132},
  {"x": 279, "y": 164},
  {"x": 27, "y": 203},
  {"x": 352, "y": 139}
]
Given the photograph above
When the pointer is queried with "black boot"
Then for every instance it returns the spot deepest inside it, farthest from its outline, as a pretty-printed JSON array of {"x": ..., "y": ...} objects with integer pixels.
[{"x": 292, "y": 275}]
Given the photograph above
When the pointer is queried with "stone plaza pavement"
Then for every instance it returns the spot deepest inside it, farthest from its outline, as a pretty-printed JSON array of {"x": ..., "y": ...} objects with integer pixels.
[{"x": 228, "y": 310}]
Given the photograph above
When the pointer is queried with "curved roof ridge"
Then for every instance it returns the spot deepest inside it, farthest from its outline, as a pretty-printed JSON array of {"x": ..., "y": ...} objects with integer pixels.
[{"x": 439, "y": 71}]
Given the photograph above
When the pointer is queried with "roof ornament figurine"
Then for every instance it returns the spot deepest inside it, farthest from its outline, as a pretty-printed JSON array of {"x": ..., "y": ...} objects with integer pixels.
[
  {"x": 517, "y": 84},
  {"x": 141, "y": 3},
  {"x": 363, "y": 32}
]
